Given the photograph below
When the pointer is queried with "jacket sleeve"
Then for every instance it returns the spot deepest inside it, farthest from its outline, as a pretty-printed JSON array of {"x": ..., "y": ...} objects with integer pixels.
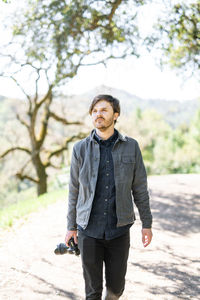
[
  {"x": 140, "y": 190},
  {"x": 73, "y": 192}
]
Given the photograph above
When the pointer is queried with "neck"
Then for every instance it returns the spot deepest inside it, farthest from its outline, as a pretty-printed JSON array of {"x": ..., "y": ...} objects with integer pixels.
[{"x": 105, "y": 134}]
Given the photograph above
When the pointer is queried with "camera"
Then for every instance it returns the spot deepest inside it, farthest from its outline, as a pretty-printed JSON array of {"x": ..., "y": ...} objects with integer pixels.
[{"x": 72, "y": 249}]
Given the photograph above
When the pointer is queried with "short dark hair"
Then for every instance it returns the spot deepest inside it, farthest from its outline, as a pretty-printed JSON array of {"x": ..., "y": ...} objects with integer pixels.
[{"x": 113, "y": 101}]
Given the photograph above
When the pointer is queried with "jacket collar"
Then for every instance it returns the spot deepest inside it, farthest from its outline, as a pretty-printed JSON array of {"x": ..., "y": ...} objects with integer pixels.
[{"x": 121, "y": 137}]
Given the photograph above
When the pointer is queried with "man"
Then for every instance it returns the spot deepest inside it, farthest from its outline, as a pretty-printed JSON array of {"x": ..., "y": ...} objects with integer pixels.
[{"x": 107, "y": 174}]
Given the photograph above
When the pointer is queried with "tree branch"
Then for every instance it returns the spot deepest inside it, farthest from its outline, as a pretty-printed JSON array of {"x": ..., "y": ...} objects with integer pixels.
[
  {"x": 36, "y": 86},
  {"x": 49, "y": 164},
  {"x": 103, "y": 61},
  {"x": 116, "y": 4},
  {"x": 44, "y": 124},
  {"x": 72, "y": 73},
  {"x": 48, "y": 95},
  {"x": 64, "y": 121},
  {"x": 22, "y": 121},
  {"x": 22, "y": 177},
  {"x": 23, "y": 91},
  {"x": 14, "y": 149},
  {"x": 68, "y": 140},
  {"x": 19, "y": 85}
]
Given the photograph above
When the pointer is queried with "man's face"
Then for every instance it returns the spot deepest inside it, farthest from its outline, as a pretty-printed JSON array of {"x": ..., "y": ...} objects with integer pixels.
[{"x": 103, "y": 115}]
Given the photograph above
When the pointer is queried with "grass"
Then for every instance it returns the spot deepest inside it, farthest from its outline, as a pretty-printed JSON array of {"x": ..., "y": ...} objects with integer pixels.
[{"x": 10, "y": 214}]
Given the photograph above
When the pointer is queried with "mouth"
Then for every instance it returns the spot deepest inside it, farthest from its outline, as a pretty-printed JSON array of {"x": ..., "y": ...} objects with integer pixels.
[{"x": 99, "y": 119}]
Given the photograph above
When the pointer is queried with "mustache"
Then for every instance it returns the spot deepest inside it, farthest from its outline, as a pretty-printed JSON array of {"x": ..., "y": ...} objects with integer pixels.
[{"x": 99, "y": 118}]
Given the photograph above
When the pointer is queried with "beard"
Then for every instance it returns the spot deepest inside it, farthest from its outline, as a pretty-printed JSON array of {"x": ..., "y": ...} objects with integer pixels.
[{"x": 102, "y": 124}]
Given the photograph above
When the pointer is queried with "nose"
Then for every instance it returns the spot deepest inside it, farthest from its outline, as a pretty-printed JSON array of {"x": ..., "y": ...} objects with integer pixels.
[{"x": 99, "y": 114}]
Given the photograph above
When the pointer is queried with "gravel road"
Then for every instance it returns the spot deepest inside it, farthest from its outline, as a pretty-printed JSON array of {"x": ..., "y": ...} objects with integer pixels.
[{"x": 167, "y": 269}]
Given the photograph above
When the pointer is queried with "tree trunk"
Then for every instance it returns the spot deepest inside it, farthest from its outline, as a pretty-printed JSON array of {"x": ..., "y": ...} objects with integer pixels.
[
  {"x": 42, "y": 186},
  {"x": 41, "y": 174}
]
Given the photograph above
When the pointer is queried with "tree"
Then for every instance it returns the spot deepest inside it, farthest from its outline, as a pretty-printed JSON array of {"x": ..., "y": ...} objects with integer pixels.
[
  {"x": 177, "y": 34},
  {"x": 195, "y": 128},
  {"x": 51, "y": 41},
  {"x": 148, "y": 128}
]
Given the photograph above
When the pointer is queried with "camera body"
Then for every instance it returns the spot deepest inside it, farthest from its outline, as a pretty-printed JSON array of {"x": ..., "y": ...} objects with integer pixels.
[{"x": 72, "y": 249}]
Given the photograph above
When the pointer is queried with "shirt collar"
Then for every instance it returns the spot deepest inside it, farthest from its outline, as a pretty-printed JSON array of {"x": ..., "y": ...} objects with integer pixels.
[
  {"x": 109, "y": 140},
  {"x": 120, "y": 136}
]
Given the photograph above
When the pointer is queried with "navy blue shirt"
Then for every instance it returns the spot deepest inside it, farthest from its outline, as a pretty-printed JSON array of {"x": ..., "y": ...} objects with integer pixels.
[{"x": 103, "y": 218}]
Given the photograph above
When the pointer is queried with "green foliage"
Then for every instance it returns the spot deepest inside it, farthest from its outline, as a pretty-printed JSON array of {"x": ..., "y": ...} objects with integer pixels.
[
  {"x": 60, "y": 36},
  {"x": 177, "y": 34},
  {"x": 165, "y": 150},
  {"x": 20, "y": 210},
  {"x": 195, "y": 128}
]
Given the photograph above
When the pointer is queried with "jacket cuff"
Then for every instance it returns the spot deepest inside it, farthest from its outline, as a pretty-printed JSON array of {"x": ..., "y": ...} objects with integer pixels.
[
  {"x": 71, "y": 228},
  {"x": 147, "y": 224}
]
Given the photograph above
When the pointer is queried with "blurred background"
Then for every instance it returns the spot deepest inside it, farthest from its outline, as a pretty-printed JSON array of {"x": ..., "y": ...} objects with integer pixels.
[{"x": 56, "y": 56}]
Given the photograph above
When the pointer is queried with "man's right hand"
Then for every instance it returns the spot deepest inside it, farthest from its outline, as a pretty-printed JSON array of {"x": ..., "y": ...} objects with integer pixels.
[{"x": 69, "y": 235}]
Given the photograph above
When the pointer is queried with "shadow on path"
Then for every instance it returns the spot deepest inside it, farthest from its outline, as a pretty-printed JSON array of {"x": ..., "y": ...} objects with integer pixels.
[
  {"x": 176, "y": 213},
  {"x": 184, "y": 284},
  {"x": 58, "y": 291}
]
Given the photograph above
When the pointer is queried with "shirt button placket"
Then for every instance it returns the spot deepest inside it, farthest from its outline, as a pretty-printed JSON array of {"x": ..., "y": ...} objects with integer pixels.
[{"x": 107, "y": 181}]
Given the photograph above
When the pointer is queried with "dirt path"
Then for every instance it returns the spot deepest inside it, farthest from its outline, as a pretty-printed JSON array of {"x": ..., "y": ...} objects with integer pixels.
[{"x": 167, "y": 269}]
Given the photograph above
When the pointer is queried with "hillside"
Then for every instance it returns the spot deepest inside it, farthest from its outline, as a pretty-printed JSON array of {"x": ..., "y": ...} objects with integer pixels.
[{"x": 174, "y": 112}]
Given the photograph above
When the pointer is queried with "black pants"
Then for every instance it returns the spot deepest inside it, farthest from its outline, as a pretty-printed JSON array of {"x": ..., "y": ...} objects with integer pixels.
[{"x": 114, "y": 253}]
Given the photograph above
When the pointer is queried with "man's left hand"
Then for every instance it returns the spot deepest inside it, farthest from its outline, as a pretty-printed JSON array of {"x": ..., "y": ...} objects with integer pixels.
[{"x": 146, "y": 236}]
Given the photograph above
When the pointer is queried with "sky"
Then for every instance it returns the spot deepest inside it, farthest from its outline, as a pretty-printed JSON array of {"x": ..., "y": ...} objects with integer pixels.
[{"x": 141, "y": 77}]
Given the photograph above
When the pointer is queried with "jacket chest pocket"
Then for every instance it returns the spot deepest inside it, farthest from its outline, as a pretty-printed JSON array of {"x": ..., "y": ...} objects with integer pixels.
[
  {"x": 127, "y": 159},
  {"x": 125, "y": 168}
]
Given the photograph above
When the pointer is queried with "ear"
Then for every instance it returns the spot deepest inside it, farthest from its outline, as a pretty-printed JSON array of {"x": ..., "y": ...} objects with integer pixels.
[{"x": 116, "y": 115}]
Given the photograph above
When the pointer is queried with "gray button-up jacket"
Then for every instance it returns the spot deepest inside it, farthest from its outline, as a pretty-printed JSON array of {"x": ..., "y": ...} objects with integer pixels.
[{"x": 130, "y": 182}]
